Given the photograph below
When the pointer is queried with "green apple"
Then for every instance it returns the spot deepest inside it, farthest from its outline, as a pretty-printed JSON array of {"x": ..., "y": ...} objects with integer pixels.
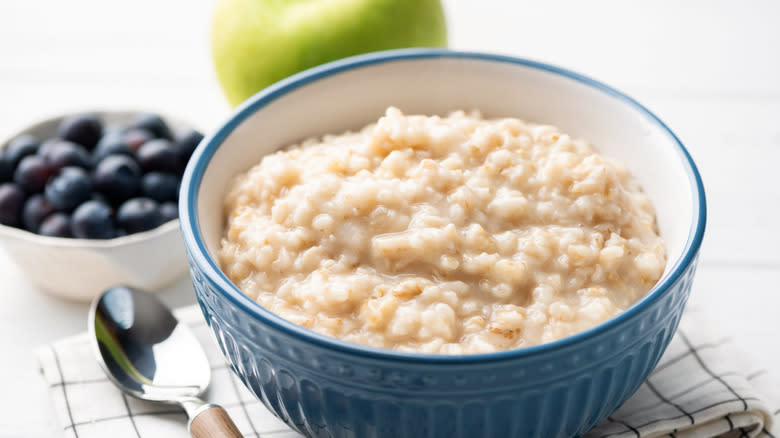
[{"x": 258, "y": 42}]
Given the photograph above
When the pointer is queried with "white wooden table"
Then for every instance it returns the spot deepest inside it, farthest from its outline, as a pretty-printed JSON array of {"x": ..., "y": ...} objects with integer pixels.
[{"x": 711, "y": 69}]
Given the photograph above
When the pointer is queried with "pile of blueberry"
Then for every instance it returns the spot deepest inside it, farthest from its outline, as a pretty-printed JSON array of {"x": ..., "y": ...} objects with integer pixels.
[{"x": 94, "y": 181}]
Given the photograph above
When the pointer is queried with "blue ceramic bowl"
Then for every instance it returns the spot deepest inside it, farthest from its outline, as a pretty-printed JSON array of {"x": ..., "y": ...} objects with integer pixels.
[{"x": 325, "y": 387}]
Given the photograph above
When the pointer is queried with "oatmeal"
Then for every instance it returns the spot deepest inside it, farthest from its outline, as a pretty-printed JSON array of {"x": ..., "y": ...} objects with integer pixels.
[{"x": 445, "y": 235}]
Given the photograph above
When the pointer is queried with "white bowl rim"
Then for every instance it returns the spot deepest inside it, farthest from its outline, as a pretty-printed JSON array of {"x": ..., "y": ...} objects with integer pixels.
[
  {"x": 193, "y": 240},
  {"x": 72, "y": 242}
]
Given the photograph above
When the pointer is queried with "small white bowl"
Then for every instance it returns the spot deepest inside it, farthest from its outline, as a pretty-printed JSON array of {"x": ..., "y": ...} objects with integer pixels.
[{"x": 80, "y": 269}]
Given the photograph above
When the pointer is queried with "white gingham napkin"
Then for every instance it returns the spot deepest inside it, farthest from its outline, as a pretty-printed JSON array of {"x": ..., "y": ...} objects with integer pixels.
[{"x": 701, "y": 388}]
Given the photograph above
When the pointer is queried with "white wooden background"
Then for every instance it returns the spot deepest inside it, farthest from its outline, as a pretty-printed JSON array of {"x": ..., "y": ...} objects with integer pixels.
[{"x": 711, "y": 69}]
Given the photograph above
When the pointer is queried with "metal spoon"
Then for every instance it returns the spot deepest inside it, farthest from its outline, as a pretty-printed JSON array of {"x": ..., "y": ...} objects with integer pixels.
[{"x": 149, "y": 355}]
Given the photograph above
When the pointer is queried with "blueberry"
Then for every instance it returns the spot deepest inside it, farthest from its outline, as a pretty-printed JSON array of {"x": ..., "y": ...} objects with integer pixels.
[
  {"x": 160, "y": 186},
  {"x": 118, "y": 177},
  {"x": 114, "y": 129},
  {"x": 135, "y": 138},
  {"x": 92, "y": 220},
  {"x": 139, "y": 214},
  {"x": 55, "y": 225},
  {"x": 54, "y": 144},
  {"x": 64, "y": 154},
  {"x": 97, "y": 196},
  {"x": 6, "y": 169},
  {"x": 111, "y": 145},
  {"x": 48, "y": 145},
  {"x": 154, "y": 124},
  {"x": 158, "y": 155},
  {"x": 169, "y": 211},
  {"x": 185, "y": 144},
  {"x": 35, "y": 211},
  {"x": 69, "y": 188},
  {"x": 11, "y": 203},
  {"x": 21, "y": 147},
  {"x": 84, "y": 129},
  {"x": 32, "y": 174}
]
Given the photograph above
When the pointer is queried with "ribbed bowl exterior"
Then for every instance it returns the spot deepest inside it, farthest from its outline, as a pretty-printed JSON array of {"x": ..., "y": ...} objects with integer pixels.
[{"x": 561, "y": 392}]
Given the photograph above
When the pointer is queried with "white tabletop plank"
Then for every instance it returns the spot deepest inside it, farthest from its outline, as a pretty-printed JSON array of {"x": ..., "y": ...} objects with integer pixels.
[
  {"x": 696, "y": 47},
  {"x": 710, "y": 69}
]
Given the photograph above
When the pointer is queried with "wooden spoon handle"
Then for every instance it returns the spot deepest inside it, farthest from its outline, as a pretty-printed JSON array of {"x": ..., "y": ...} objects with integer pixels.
[{"x": 213, "y": 422}]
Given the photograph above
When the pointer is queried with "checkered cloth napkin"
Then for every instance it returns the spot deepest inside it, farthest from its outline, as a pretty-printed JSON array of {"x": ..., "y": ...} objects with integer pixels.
[{"x": 701, "y": 388}]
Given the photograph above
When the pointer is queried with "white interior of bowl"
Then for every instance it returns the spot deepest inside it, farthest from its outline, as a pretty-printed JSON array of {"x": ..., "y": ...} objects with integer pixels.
[{"x": 354, "y": 98}]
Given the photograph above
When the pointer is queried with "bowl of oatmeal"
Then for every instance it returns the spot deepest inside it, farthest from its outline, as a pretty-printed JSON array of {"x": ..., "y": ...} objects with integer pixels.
[{"x": 427, "y": 242}]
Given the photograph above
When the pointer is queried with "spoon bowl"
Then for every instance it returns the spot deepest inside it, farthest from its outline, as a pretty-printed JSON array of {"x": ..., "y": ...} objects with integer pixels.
[{"x": 149, "y": 355}]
